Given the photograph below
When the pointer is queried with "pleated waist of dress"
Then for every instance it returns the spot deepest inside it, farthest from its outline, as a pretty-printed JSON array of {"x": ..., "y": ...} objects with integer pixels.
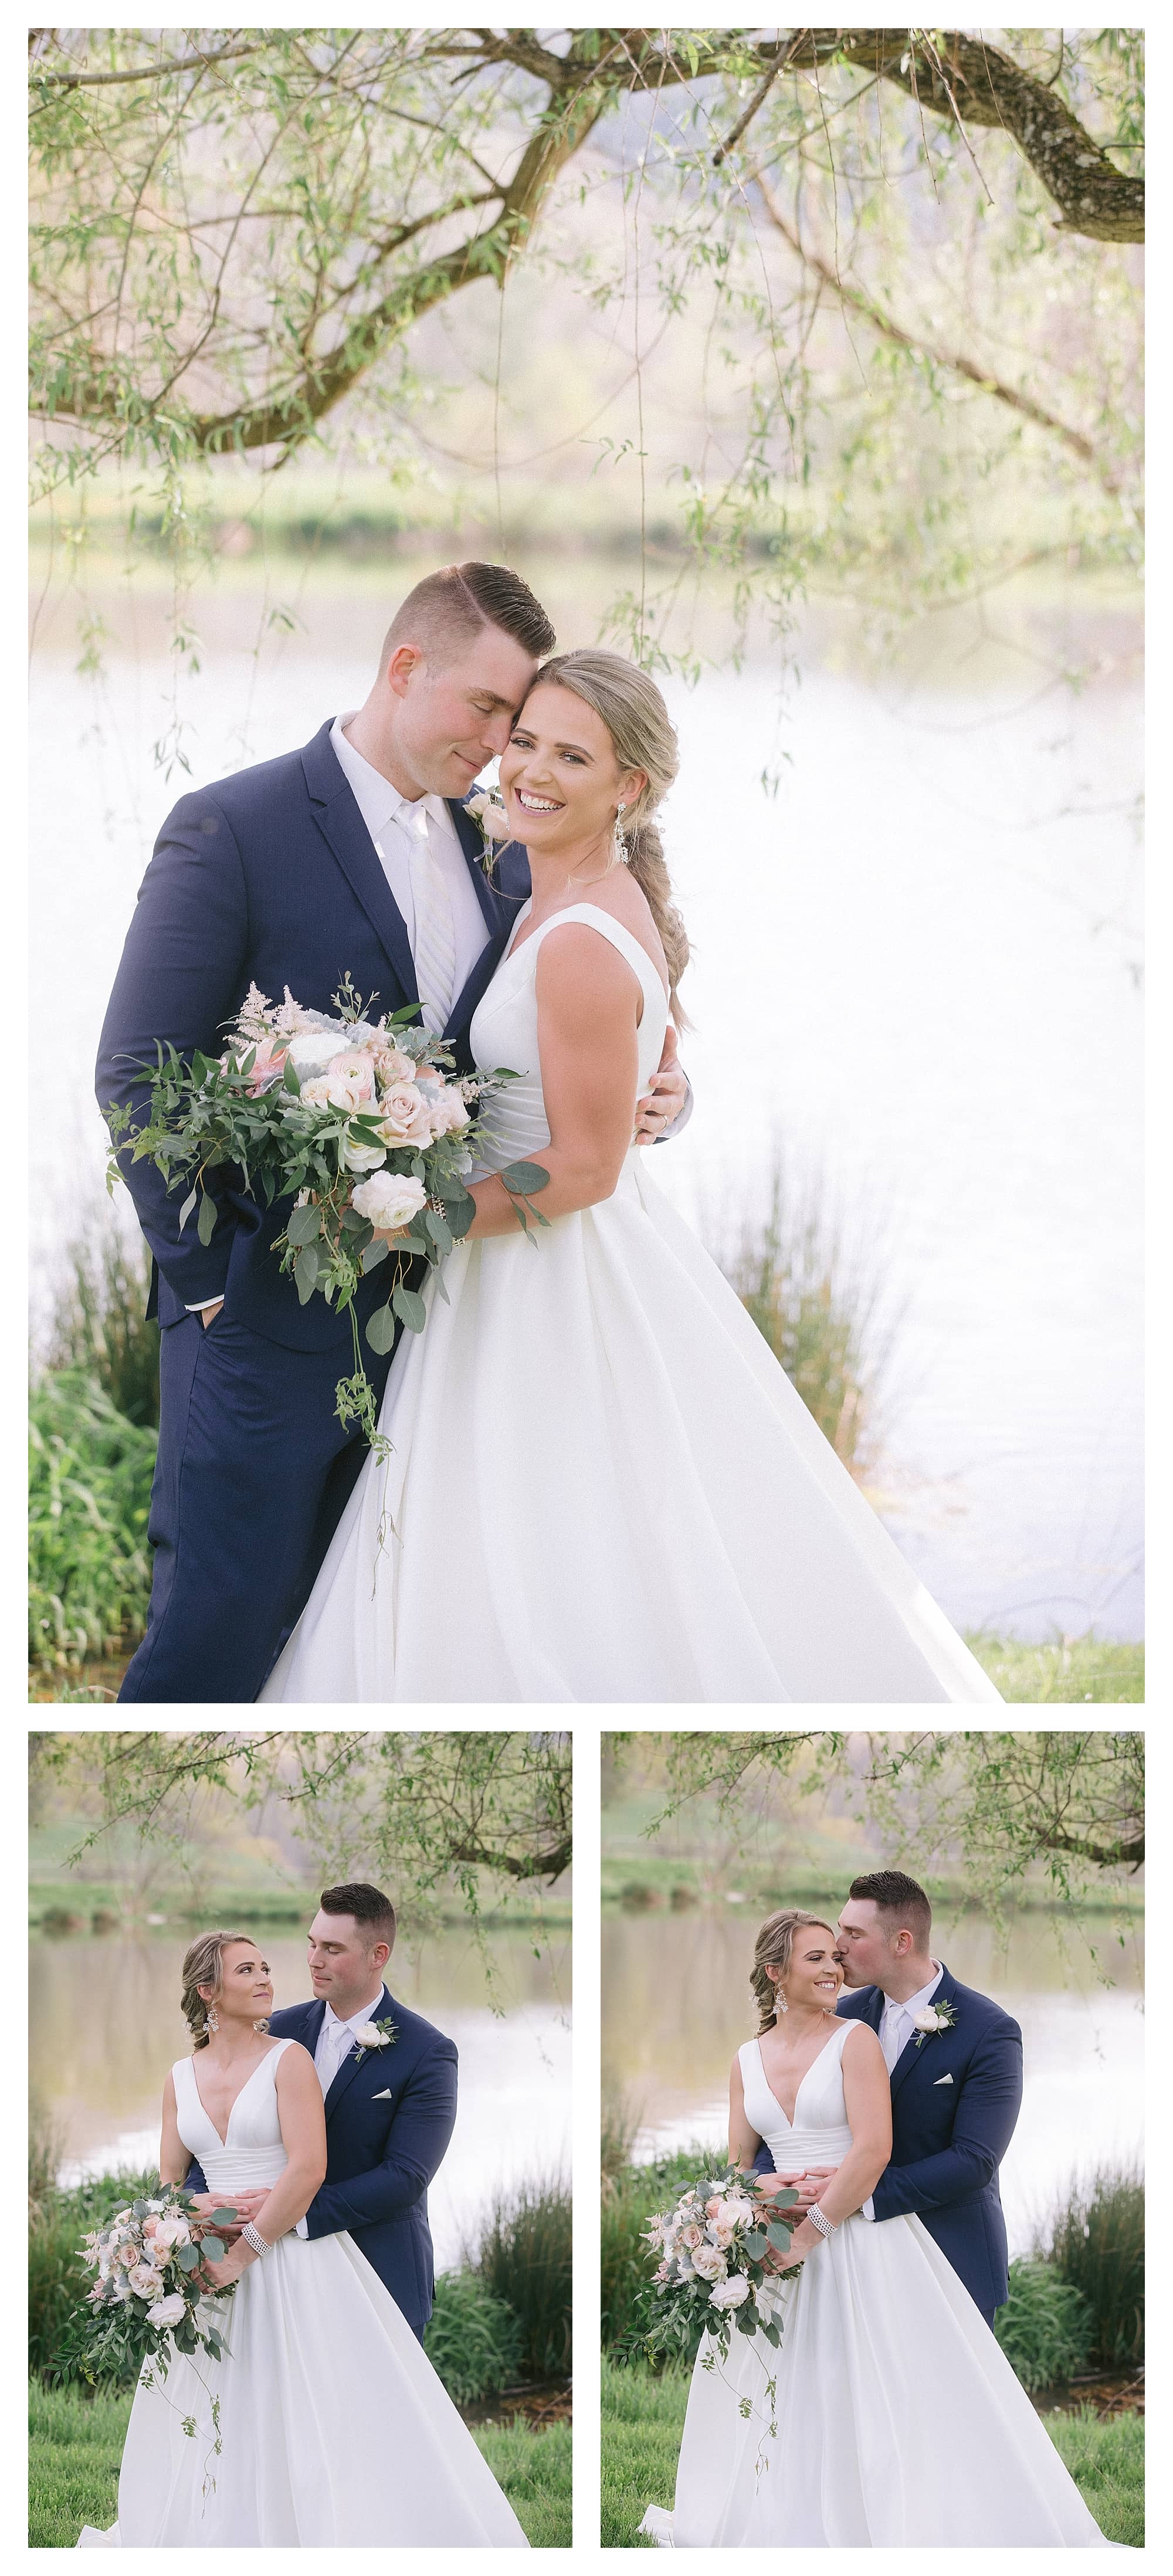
[
  {"x": 243, "y": 2168},
  {"x": 810, "y": 2147}
]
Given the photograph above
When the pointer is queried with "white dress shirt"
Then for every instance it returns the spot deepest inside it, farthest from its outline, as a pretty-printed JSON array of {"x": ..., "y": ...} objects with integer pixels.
[
  {"x": 389, "y": 818},
  {"x": 335, "y": 2041},
  {"x": 896, "y": 2025}
]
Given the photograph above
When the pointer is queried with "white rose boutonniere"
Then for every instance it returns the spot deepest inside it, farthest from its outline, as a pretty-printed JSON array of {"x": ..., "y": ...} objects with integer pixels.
[
  {"x": 934, "y": 2018},
  {"x": 375, "y": 2034}
]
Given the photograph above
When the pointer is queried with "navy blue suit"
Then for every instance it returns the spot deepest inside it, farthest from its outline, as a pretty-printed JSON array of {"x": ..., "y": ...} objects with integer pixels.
[
  {"x": 948, "y": 2139},
  {"x": 270, "y": 876},
  {"x": 381, "y": 2154}
]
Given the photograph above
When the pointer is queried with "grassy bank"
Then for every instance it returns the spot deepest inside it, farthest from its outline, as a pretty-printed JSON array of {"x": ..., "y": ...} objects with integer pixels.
[
  {"x": 75, "y": 2445},
  {"x": 643, "y": 2418},
  {"x": 1079, "y": 1669}
]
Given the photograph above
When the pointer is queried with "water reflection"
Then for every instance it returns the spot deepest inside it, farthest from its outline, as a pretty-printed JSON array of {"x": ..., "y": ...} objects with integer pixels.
[
  {"x": 676, "y": 2007},
  {"x": 105, "y": 2026}
]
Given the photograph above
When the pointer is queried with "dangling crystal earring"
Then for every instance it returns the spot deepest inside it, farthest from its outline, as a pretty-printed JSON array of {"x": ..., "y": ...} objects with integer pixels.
[
  {"x": 780, "y": 2003},
  {"x": 211, "y": 2018},
  {"x": 622, "y": 852}
]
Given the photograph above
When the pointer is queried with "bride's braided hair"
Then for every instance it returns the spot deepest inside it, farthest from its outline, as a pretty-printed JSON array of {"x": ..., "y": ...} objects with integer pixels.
[
  {"x": 772, "y": 1949},
  {"x": 204, "y": 1966},
  {"x": 644, "y": 737}
]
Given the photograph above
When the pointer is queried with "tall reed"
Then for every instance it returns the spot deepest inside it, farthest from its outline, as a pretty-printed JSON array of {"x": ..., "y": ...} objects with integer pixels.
[
  {"x": 98, "y": 1324},
  {"x": 818, "y": 1296},
  {"x": 525, "y": 2257},
  {"x": 1094, "y": 2236}
]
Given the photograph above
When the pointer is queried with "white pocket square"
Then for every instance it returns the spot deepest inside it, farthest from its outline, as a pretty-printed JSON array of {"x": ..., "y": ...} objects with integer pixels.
[
  {"x": 941, "y": 2079},
  {"x": 388, "y": 2096}
]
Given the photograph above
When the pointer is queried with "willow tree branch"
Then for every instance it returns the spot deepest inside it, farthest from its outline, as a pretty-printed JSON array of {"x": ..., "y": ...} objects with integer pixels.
[
  {"x": 952, "y": 359},
  {"x": 145, "y": 71},
  {"x": 968, "y": 82}
]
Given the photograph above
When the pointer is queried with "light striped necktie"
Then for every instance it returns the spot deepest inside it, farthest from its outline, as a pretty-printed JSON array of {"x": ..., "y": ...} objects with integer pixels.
[{"x": 435, "y": 937}]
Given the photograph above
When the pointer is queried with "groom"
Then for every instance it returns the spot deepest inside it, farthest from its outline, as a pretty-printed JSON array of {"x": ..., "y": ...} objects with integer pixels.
[
  {"x": 353, "y": 855},
  {"x": 956, "y": 2089},
  {"x": 390, "y": 2106}
]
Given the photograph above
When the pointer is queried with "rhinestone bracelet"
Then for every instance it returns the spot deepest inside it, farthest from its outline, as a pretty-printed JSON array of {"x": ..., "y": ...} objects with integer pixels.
[
  {"x": 252, "y": 2236},
  {"x": 823, "y": 2225}
]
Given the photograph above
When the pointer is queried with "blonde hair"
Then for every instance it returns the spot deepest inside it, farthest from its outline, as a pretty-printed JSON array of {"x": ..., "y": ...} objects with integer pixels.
[
  {"x": 644, "y": 737},
  {"x": 772, "y": 1949},
  {"x": 204, "y": 1966}
]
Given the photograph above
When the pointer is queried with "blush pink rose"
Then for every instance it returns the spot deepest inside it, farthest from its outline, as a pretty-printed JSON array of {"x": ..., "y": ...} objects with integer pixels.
[
  {"x": 448, "y": 1112},
  {"x": 404, "y": 1117},
  {"x": 392, "y": 1065}
]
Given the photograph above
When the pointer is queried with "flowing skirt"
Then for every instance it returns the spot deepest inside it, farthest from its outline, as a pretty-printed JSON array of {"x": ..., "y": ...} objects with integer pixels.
[
  {"x": 900, "y": 2423},
  {"x": 605, "y": 1488},
  {"x": 333, "y": 2428}
]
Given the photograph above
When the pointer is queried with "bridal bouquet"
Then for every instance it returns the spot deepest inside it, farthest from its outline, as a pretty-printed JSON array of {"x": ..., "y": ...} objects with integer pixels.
[
  {"x": 360, "y": 1122},
  {"x": 145, "y": 2301},
  {"x": 718, "y": 2270}
]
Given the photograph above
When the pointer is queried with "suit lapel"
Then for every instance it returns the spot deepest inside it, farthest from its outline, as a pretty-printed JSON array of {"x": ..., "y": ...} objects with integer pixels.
[
  {"x": 500, "y": 911},
  {"x": 352, "y": 2061},
  {"x": 910, "y": 2052},
  {"x": 345, "y": 833}
]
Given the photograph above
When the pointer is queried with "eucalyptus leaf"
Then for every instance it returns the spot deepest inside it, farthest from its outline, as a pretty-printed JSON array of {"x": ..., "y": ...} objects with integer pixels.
[
  {"x": 409, "y": 1307},
  {"x": 374, "y": 1252},
  {"x": 305, "y": 1272},
  {"x": 187, "y": 1207},
  {"x": 525, "y": 1179},
  {"x": 305, "y": 1225},
  {"x": 206, "y": 1221},
  {"x": 291, "y": 1078},
  {"x": 441, "y": 1233},
  {"x": 381, "y": 1329},
  {"x": 213, "y": 2249}
]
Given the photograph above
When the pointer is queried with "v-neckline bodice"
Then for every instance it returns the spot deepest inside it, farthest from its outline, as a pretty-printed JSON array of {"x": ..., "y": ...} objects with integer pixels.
[
  {"x": 237, "y": 2097},
  {"x": 791, "y": 2117}
]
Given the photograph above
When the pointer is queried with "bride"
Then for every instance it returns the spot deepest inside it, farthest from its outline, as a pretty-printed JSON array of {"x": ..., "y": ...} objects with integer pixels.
[
  {"x": 900, "y": 2423},
  {"x": 603, "y": 1486},
  {"x": 334, "y": 2428}
]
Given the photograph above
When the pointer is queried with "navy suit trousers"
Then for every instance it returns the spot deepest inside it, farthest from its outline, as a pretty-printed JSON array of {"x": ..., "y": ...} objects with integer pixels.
[{"x": 253, "y": 1474}]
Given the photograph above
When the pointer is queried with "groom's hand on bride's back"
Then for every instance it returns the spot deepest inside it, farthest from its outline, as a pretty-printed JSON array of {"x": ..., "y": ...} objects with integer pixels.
[{"x": 662, "y": 1105}]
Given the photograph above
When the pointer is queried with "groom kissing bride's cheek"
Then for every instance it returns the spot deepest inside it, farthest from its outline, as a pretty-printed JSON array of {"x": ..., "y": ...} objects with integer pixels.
[
  {"x": 527, "y": 1318},
  {"x": 885, "y": 2093}
]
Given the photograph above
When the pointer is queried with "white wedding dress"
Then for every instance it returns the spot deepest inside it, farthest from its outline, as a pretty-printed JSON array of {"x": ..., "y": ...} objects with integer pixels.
[
  {"x": 335, "y": 2430},
  {"x": 604, "y": 1487},
  {"x": 901, "y": 2424}
]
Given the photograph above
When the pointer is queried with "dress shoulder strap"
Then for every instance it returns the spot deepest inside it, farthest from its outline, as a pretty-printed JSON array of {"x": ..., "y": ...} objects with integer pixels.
[{"x": 630, "y": 948}]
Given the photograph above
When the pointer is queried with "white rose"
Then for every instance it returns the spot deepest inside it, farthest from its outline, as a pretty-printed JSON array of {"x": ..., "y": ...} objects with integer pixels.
[
  {"x": 363, "y": 1158},
  {"x": 708, "y": 2261},
  {"x": 311, "y": 1053},
  {"x": 391, "y": 1199},
  {"x": 731, "y": 2293},
  {"x": 168, "y": 2311},
  {"x": 727, "y": 2216},
  {"x": 145, "y": 2281},
  {"x": 369, "y": 2035},
  {"x": 927, "y": 2020}
]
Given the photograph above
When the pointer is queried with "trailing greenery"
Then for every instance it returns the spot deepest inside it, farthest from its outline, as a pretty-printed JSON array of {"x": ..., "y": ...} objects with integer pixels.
[
  {"x": 75, "y": 2447},
  {"x": 643, "y": 2419},
  {"x": 1094, "y": 2237},
  {"x": 1045, "y": 2328},
  {"x": 525, "y": 2258},
  {"x": 473, "y": 2339},
  {"x": 90, "y": 1472}
]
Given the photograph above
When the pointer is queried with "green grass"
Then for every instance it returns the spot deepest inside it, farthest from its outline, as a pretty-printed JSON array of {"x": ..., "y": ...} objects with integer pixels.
[
  {"x": 75, "y": 2445},
  {"x": 1086, "y": 1668},
  {"x": 90, "y": 1472},
  {"x": 643, "y": 2419}
]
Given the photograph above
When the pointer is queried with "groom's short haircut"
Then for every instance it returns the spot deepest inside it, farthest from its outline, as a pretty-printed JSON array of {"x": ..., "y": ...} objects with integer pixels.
[
  {"x": 448, "y": 608},
  {"x": 900, "y": 1899},
  {"x": 368, "y": 1905}
]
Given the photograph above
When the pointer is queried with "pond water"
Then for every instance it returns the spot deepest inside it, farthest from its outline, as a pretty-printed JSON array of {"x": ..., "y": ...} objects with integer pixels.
[
  {"x": 676, "y": 2007},
  {"x": 105, "y": 2026},
  {"x": 918, "y": 966}
]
